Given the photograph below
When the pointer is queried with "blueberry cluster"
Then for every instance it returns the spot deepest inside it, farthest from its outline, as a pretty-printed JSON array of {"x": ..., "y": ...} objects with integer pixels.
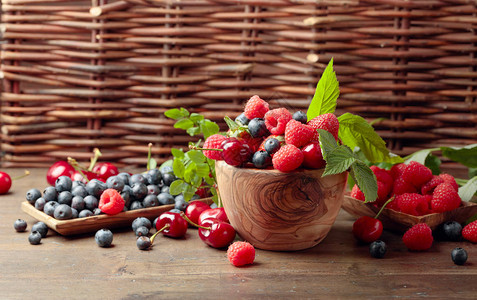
[{"x": 69, "y": 199}]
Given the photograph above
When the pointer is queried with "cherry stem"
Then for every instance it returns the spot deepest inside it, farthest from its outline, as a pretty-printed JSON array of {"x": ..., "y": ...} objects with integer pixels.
[
  {"x": 148, "y": 166},
  {"x": 94, "y": 159},
  {"x": 21, "y": 176},
  {"x": 159, "y": 231},
  {"x": 204, "y": 149},
  {"x": 387, "y": 202},
  {"x": 77, "y": 167},
  {"x": 192, "y": 223}
]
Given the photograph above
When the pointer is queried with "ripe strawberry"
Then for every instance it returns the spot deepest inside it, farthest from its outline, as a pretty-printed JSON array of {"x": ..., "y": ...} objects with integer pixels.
[
  {"x": 469, "y": 232},
  {"x": 241, "y": 253},
  {"x": 417, "y": 174},
  {"x": 214, "y": 142},
  {"x": 297, "y": 133},
  {"x": 449, "y": 179},
  {"x": 400, "y": 186},
  {"x": 428, "y": 187},
  {"x": 255, "y": 108},
  {"x": 328, "y": 122},
  {"x": 111, "y": 202},
  {"x": 287, "y": 158},
  {"x": 357, "y": 193},
  {"x": 418, "y": 237},
  {"x": 445, "y": 198},
  {"x": 412, "y": 204},
  {"x": 277, "y": 119}
]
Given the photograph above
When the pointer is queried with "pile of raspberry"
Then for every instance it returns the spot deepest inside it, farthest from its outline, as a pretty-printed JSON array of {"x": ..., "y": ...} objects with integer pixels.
[
  {"x": 272, "y": 138},
  {"x": 415, "y": 189}
]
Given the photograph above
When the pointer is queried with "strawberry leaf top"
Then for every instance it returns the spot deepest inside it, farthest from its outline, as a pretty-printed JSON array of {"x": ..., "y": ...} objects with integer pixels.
[{"x": 326, "y": 93}]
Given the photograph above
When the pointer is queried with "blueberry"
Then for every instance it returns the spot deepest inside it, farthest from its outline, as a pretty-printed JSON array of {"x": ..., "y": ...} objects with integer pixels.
[
  {"x": 50, "y": 194},
  {"x": 90, "y": 202},
  {"x": 142, "y": 231},
  {"x": 124, "y": 176},
  {"x": 261, "y": 159},
  {"x": 78, "y": 203},
  {"x": 97, "y": 211},
  {"x": 155, "y": 222},
  {"x": 127, "y": 199},
  {"x": 136, "y": 205},
  {"x": 49, "y": 208},
  {"x": 181, "y": 204},
  {"x": 76, "y": 183},
  {"x": 168, "y": 178},
  {"x": 140, "y": 221},
  {"x": 165, "y": 189},
  {"x": 257, "y": 128},
  {"x": 242, "y": 119},
  {"x": 63, "y": 212},
  {"x": 137, "y": 178},
  {"x": 271, "y": 145},
  {"x": 40, "y": 203},
  {"x": 139, "y": 191},
  {"x": 452, "y": 230},
  {"x": 300, "y": 117},
  {"x": 459, "y": 256},
  {"x": 165, "y": 198},
  {"x": 34, "y": 238},
  {"x": 32, "y": 195},
  {"x": 95, "y": 187},
  {"x": 65, "y": 197},
  {"x": 153, "y": 189},
  {"x": 85, "y": 213},
  {"x": 103, "y": 237},
  {"x": 74, "y": 213},
  {"x": 166, "y": 170},
  {"x": 41, "y": 228},
  {"x": 20, "y": 225},
  {"x": 115, "y": 182},
  {"x": 175, "y": 210},
  {"x": 377, "y": 249},
  {"x": 143, "y": 243},
  {"x": 154, "y": 176},
  {"x": 63, "y": 183},
  {"x": 150, "y": 201},
  {"x": 213, "y": 205},
  {"x": 79, "y": 191}
]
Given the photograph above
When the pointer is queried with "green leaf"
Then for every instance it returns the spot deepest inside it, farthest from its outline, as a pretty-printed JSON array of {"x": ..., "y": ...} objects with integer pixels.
[
  {"x": 339, "y": 160},
  {"x": 419, "y": 156},
  {"x": 472, "y": 172},
  {"x": 433, "y": 162},
  {"x": 209, "y": 128},
  {"x": 196, "y": 156},
  {"x": 465, "y": 155},
  {"x": 231, "y": 123},
  {"x": 366, "y": 180},
  {"x": 177, "y": 153},
  {"x": 326, "y": 93},
  {"x": 202, "y": 169},
  {"x": 176, "y": 187},
  {"x": 354, "y": 132},
  {"x": 193, "y": 131},
  {"x": 151, "y": 164},
  {"x": 196, "y": 180},
  {"x": 194, "y": 117},
  {"x": 188, "y": 192},
  {"x": 327, "y": 142},
  {"x": 178, "y": 167},
  {"x": 189, "y": 172},
  {"x": 167, "y": 163},
  {"x": 468, "y": 190},
  {"x": 184, "y": 124},
  {"x": 177, "y": 113}
]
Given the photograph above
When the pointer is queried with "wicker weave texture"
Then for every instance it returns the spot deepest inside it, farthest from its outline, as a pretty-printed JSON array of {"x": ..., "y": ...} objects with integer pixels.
[{"x": 84, "y": 74}]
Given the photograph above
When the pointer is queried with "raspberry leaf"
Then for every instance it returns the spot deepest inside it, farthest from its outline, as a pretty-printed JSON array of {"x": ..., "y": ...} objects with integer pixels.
[
  {"x": 339, "y": 160},
  {"x": 327, "y": 142},
  {"x": 365, "y": 179},
  {"x": 465, "y": 155},
  {"x": 326, "y": 94},
  {"x": 468, "y": 190}
]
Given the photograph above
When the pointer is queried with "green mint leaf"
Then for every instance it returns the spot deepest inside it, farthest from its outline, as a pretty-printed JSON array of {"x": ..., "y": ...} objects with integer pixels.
[
  {"x": 326, "y": 93},
  {"x": 196, "y": 118},
  {"x": 209, "y": 128},
  {"x": 465, "y": 155},
  {"x": 176, "y": 187},
  {"x": 365, "y": 179},
  {"x": 178, "y": 167},
  {"x": 327, "y": 142},
  {"x": 177, "y": 153},
  {"x": 184, "y": 124},
  {"x": 339, "y": 160},
  {"x": 468, "y": 190},
  {"x": 177, "y": 114},
  {"x": 356, "y": 132},
  {"x": 196, "y": 156}
]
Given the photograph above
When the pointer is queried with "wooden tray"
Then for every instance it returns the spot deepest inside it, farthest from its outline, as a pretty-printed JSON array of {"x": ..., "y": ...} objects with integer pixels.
[
  {"x": 94, "y": 223},
  {"x": 400, "y": 222}
]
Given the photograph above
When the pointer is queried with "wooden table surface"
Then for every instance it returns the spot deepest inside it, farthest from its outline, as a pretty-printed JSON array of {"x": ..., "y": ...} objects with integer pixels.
[{"x": 76, "y": 268}]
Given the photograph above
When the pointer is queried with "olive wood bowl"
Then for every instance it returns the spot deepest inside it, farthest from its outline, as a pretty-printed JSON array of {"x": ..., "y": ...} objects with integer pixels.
[{"x": 280, "y": 211}]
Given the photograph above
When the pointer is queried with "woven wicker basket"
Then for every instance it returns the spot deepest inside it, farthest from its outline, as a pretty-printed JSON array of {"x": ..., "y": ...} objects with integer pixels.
[{"x": 84, "y": 74}]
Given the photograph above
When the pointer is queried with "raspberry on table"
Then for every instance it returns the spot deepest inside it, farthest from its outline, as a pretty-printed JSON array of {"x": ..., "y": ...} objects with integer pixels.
[
  {"x": 469, "y": 232},
  {"x": 417, "y": 174},
  {"x": 213, "y": 142},
  {"x": 328, "y": 122},
  {"x": 297, "y": 133},
  {"x": 412, "y": 204},
  {"x": 277, "y": 119},
  {"x": 445, "y": 198},
  {"x": 111, "y": 202},
  {"x": 255, "y": 108},
  {"x": 241, "y": 253},
  {"x": 287, "y": 158},
  {"x": 418, "y": 237}
]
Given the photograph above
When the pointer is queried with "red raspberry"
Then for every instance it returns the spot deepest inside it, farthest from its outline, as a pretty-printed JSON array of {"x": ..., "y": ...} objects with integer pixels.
[
  {"x": 356, "y": 193},
  {"x": 111, "y": 202},
  {"x": 214, "y": 142},
  {"x": 417, "y": 174},
  {"x": 449, "y": 179},
  {"x": 287, "y": 158},
  {"x": 328, "y": 122},
  {"x": 254, "y": 143},
  {"x": 400, "y": 186},
  {"x": 241, "y": 254},
  {"x": 277, "y": 119},
  {"x": 382, "y": 174},
  {"x": 383, "y": 193},
  {"x": 297, "y": 133},
  {"x": 255, "y": 108},
  {"x": 469, "y": 232},
  {"x": 418, "y": 237},
  {"x": 385, "y": 184},
  {"x": 445, "y": 198},
  {"x": 394, "y": 205},
  {"x": 397, "y": 170},
  {"x": 413, "y": 204},
  {"x": 428, "y": 187}
]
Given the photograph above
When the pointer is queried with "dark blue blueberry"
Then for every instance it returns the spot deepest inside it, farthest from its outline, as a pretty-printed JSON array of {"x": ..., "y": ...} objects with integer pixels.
[
  {"x": 34, "y": 238},
  {"x": 79, "y": 191},
  {"x": 155, "y": 222},
  {"x": 124, "y": 176},
  {"x": 271, "y": 145},
  {"x": 127, "y": 199},
  {"x": 95, "y": 187},
  {"x": 85, "y": 213},
  {"x": 90, "y": 202},
  {"x": 50, "y": 194},
  {"x": 41, "y": 228},
  {"x": 139, "y": 191},
  {"x": 142, "y": 231},
  {"x": 78, "y": 203},
  {"x": 195, "y": 197},
  {"x": 65, "y": 197},
  {"x": 63, "y": 183},
  {"x": 97, "y": 211},
  {"x": 143, "y": 243},
  {"x": 377, "y": 249},
  {"x": 242, "y": 119},
  {"x": 20, "y": 225},
  {"x": 76, "y": 183},
  {"x": 168, "y": 178},
  {"x": 63, "y": 212},
  {"x": 150, "y": 201},
  {"x": 115, "y": 182},
  {"x": 165, "y": 198},
  {"x": 140, "y": 221},
  {"x": 166, "y": 170},
  {"x": 459, "y": 256},
  {"x": 40, "y": 203},
  {"x": 213, "y": 205},
  {"x": 49, "y": 208},
  {"x": 74, "y": 213},
  {"x": 153, "y": 189},
  {"x": 181, "y": 204},
  {"x": 32, "y": 195},
  {"x": 154, "y": 176},
  {"x": 452, "y": 231},
  {"x": 179, "y": 197},
  {"x": 300, "y": 117},
  {"x": 165, "y": 189},
  {"x": 137, "y": 178},
  {"x": 261, "y": 159},
  {"x": 103, "y": 237},
  {"x": 257, "y": 128},
  {"x": 136, "y": 205},
  {"x": 175, "y": 210}
]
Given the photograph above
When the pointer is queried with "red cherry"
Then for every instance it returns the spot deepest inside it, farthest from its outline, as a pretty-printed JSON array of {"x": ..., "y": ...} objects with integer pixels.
[
  {"x": 216, "y": 233},
  {"x": 367, "y": 229},
  {"x": 312, "y": 156},
  {"x": 217, "y": 213},
  {"x": 236, "y": 152},
  {"x": 59, "y": 168},
  {"x": 172, "y": 224},
  {"x": 105, "y": 170},
  {"x": 194, "y": 209},
  {"x": 5, "y": 183},
  {"x": 78, "y": 177}
]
